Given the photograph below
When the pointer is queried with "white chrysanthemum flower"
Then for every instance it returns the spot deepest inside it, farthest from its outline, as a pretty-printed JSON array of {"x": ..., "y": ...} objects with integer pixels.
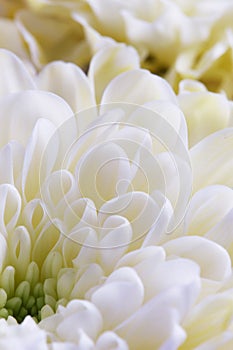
[
  {"x": 82, "y": 209},
  {"x": 158, "y": 29}
]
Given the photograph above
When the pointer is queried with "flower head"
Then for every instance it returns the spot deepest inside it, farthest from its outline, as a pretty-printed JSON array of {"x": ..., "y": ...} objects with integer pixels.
[{"x": 90, "y": 190}]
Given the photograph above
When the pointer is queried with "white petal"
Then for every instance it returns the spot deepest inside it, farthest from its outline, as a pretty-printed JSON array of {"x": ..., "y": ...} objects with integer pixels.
[
  {"x": 213, "y": 259},
  {"x": 22, "y": 111},
  {"x": 82, "y": 315},
  {"x": 205, "y": 112},
  {"x": 14, "y": 76},
  {"x": 208, "y": 319},
  {"x": 108, "y": 63},
  {"x": 34, "y": 172},
  {"x": 138, "y": 256},
  {"x": 156, "y": 325},
  {"x": 24, "y": 336},
  {"x": 223, "y": 341},
  {"x": 58, "y": 190},
  {"x": 20, "y": 250},
  {"x": 109, "y": 340},
  {"x": 50, "y": 38},
  {"x": 138, "y": 208},
  {"x": 11, "y": 39},
  {"x": 90, "y": 276},
  {"x": 85, "y": 343},
  {"x": 45, "y": 241},
  {"x": 34, "y": 216},
  {"x": 3, "y": 251},
  {"x": 137, "y": 86},
  {"x": 11, "y": 160},
  {"x": 10, "y": 208},
  {"x": 207, "y": 208},
  {"x": 222, "y": 233},
  {"x": 68, "y": 81},
  {"x": 212, "y": 160},
  {"x": 79, "y": 246},
  {"x": 159, "y": 275},
  {"x": 117, "y": 234},
  {"x": 100, "y": 170},
  {"x": 120, "y": 296}
]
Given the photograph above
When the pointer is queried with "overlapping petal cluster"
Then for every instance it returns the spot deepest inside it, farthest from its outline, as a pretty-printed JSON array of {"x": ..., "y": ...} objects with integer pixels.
[
  {"x": 116, "y": 202},
  {"x": 175, "y": 39},
  {"x": 89, "y": 188}
]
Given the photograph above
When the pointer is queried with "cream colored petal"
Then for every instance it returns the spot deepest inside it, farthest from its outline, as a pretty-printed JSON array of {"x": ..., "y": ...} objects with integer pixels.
[
  {"x": 157, "y": 324},
  {"x": 137, "y": 207},
  {"x": 83, "y": 316},
  {"x": 34, "y": 172},
  {"x": 207, "y": 208},
  {"x": 89, "y": 277},
  {"x": 100, "y": 170},
  {"x": 22, "y": 111},
  {"x": 208, "y": 319},
  {"x": 68, "y": 81},
  {"x": 213, "y": 259},
  {"x": 212, "y": 160},
  {"x": 158, "y": 275},
  {"x": 79, "y": 246},
  {"x": 14, "y": 76},
  {"x": 3, "y": 250},
  {"x": 52, "y": 38},
  {"x": 108, "y": 18},
  {"x": 120, "y": 296},
  {"x": 57, "y": 191},
  {"x": 110, "y": 340},
  {"x": 10, "y": 205},
  {"x": 221, "y": 233},
  {"x": 159, "y": 233},
  {"x": 128, "y": 87},
  {"x": 81, "y": 213},
  {"x": 19, "y": 245},
  {"x": 34, "y": 217},
  {"x": 223, "y": 341},
  {"x": 45, "y": 241},
  {"x": 108, "y": 63},
  {"x": 116, "y": 236},
  {"x": 11, "y": 39},
  {"x": 137, "y": 256},
  {"x": 11, "y": 160},
  {"x": 205, "y": 113},
  {"x": 178, "y": 272}
]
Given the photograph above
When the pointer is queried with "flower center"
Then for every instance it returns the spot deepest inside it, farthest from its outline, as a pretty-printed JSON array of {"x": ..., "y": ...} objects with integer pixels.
[{"x": 27, "y": 298}]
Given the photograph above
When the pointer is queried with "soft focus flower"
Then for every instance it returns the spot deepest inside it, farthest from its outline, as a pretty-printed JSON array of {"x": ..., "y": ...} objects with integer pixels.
[
  {"x": 160, "y": 30},
  {"x": 210, "y": 62},
  {"x": 44, "y": 35},
  {"x": 89, "y": 190},
  {"x": 175, "y": 39}
]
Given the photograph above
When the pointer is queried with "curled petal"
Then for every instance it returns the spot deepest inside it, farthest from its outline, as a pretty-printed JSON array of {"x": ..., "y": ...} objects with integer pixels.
[
  {"x": 68, "y": 81},
  {"x": 213, "y": 259},
  {"x": 120, "y": 296},
  {"x": 13, "y": 75},
  {"x": 110, "y": 340},
  {"x": 212, "y": 160},
  {"x": 108, "y": 63},
  {"x": 157, "y": 323},
  {"x": 128, "y": 87}
]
